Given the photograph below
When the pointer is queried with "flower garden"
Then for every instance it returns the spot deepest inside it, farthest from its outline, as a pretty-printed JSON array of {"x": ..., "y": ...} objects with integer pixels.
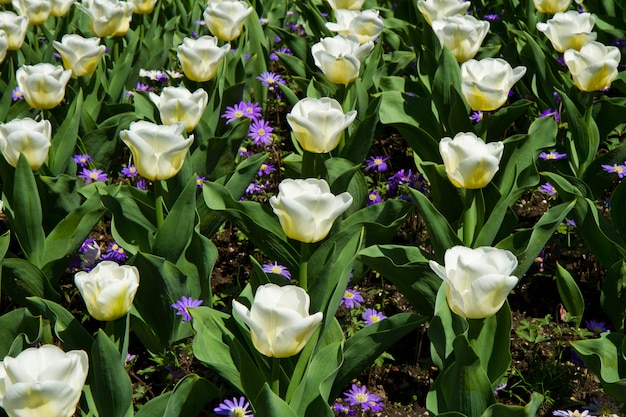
[{"x": 312, "y": 208}]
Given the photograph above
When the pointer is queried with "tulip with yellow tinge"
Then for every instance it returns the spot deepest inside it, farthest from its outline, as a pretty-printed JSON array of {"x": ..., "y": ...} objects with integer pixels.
[
  {"x": 158, "y": 150},
  {"x": 485, "y": 84},
  {"x": 307, "y": 209},
  {"x": 365, "y": 25},
  {"x": 438, "y": 9},
  {"x": 143, "y": 6},
  {"x": 43, "y": 382},
  {"x": 225, "y": 18},
  {"x": 478, "y": 280},
  {"x": 81, "y": 55},
  {"x": 340, "y": 57},
  {"x": 346, "y": 4},
  {"x": 462, "y": 34},
  {"x": 279, "y": 320},
  {"x": 4, "y": 45},
  {"x": 15, "y": 28},
  {"x": 108, "y": 289},
  {"x": 37, "y": 11},
  {"x": 594, "y": 67},
  {"x": 177, "y": 104},
  {"x": 27, "y": 136},
  {"x": 201, "y": 58},
  {"x": 552, "y": 6},
  {"x": 569, "y": 30},
  {"x": 60, "y": 7},
  {"x": 108, "y": 17},
  {"x": 43, "y": 85}
]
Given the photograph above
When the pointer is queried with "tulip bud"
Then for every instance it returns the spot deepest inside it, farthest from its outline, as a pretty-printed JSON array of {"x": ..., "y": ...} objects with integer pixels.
[
  {"x": 365, "y": 25},
  {"x": 200, "y": 58},
  {"x": 225, "y": 18},
  {"x": 108, "y": 290},
  {"x": 143, "y": 6},
  {"x": 279, "y": 320},
  {"x": 594, "y": 67},
  {"x": 470, "y": 162},
  {"x": 37, "y": 11},
  {"x": 438, "y": 9},
  {"x": 4, "y": 45},
  {"x": 159, "y": 150},
  {"x": 346, "y": 4},
  {"x": 462, "y": 34},
  {"x": 177, "y": 104},
  {"x": 26, "y": 136},
  {"x": 486, "y": 83},
  {"x": 570, "y": 30},
  {"x": 340, "y": 57},
  {"x": 60, "y": 7},
  {"x": 15, "y": 27},
  {"x": 79, "y": 54},
  {"x": 43, "y": 85},
  {"x": 478, "y": 280},
  {"x": 552, "y": 6},
  {"x": 43, "y": 381},
  {"x": 307, "y": 209},
  {"x": 108, "y": 17},
  {"x": 318, "y": 123}
]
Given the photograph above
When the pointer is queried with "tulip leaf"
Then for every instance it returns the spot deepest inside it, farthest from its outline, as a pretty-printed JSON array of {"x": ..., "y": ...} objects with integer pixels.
[
  {"x": 407, "y": 268},
  {"x": 64, "y": 140},
  {"x": 110, "y": 384},
  {"x": 444, "y": 327},
  {"x": 529, "y": 410},
  {"x": 381, "y": 221},
  {"x": 122, "y": 66},
  {"x": 5, "y": 240},
  {"x": 571, "y": 295},
  {"x": 66, "y": 327},
  {"x": 22, "y": 279},
  {"x": 358, "y": 144},
  {"x": 16, "y": 324},
  {"x": 361, "y": 349},
  {"x": 613, "y": 296},
  {"x": 155, "y": 407},
  {"x": 198, "y": 262},
  {"x": 270, "y": 404},
  {"x": 190, "y": 396}
]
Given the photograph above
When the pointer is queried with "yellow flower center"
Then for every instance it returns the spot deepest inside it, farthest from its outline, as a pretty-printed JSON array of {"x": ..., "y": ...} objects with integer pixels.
[
  {"x": 619, "y": 169},
  {"x": 261, "y": 132},
  {"x": 361, "y": 397},
  {"x": 348, "y": 294},
  {"x": 375, "y": 319},
  {"x": 373, "y": 197},
  {"x": 276, "y": 270},
  {"x": 238, "y": 114}
]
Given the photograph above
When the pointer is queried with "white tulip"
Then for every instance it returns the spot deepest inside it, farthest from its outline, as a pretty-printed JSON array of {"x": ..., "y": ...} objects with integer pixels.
[
  {"x": 340, "y": 57},
  {"x": 365, "y": 25},
  {"x": 42, "y": 382},
  {"x": 346, "y": 4},
  {"x": 307, "y": 209},
  {"x": 438, "y": 9},
  {"x": 81, "y": 55},
  {"x": 177, "y": 104},
  {"x": 279, "y": 320},
  {"x": 486, "y": 83},
  {"x": 60, "y": 7},
  {"x": 108, "y": 17},
  {"x": 201, "y": 58},
  {"x": 26, "y": 136},
  {"x": 143, "y": 6},
  {"x": 225, "y": 19},
  {"x": 159, "y": 150},
  {"x": 594, "y": 67},
  {"x": 552, "y": 6},
  {"x": 15, "y": 27},
  {"x": 462, "y": 34},
  {"x": 108, "y": 290},
  {"x": 43, "y": 85},
  {"x": 569, "y": 30},
  {"x": 37, "y": 11},
  {"x": 318, "y": 123},
  {"x": 470, "y": 162},
  {"x": 478, "y": 280},
  {"x": 4, "y": 45}
]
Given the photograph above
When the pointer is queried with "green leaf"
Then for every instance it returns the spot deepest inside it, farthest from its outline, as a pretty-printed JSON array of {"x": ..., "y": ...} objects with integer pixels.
[
  {"x": 64, "y": 140},
  {"x": 570, "y": 294},
  {"x": 22, "y": 279},
  {"x": 613, "y": 295},
  {"x": 268, "y": 404},
  {"x": 529, "y": 410},
  {"x": 190, "y": 396},
  {"x": 381, "y": 221},
  {"x": 16, "y": 324},
  {"x": 444, "y": 327},
  {"x": 110, "y": 384}
]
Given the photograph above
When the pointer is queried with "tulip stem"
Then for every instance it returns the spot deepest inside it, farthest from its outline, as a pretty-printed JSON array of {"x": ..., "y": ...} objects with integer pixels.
[
  {"x": 159, "y": 190},
  {"x": 308, "y": 165},
  {"x": 474, "y": 215},
  {"x": 276, "y": 376},
  {"x": 118, "y": 330},
  {"x": 304, "y": 264}
]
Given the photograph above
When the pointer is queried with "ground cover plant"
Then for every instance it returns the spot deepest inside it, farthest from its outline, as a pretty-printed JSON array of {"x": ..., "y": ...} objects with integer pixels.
[{"x": 312, "y": 208}]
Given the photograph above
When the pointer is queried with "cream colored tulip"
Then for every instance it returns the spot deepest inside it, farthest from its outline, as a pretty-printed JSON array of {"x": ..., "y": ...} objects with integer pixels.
[
  {"x": 225, "y": 19},
  {"x": 478, "y": 280},
  {"x": 569, "y": 30},
  {"x": 594, "y": 67},
  {"x": 279, "y": 320},
  {"x": 108, "y": 289},
  {"x": 4, "y": 45},
  {"x": 462, "y": 34},
  {"x": 201, "y": 58},
  {"x": 486, "y": 83},
  {"x": 60, "y": 7},
  {"x": 43, "y": 382},
  {"x": 159, "y": 150},
  {"x": 108, "y": 17},
  {"x": 318, "y": 123},
  {"x": 365, "y": 25},
  {"x": 43, "y": 85},
  {"x": 340, "y": 57},
  {"x": 439, "y": 9},
  {"x": 15, "y": 28},
  {"x": 307, "y": 209},
  {"x": 470, "y": 162},
  {"x": 37, "y": 11},
  {"x": 81, "y": 55},
  {"x": 177, "y": 104},
  {"x": 346, "y": 4},
  {"x": 143, "y": 6},
  {"x": 26, "y": 136},
  {"x": 552, "y": 6}
]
